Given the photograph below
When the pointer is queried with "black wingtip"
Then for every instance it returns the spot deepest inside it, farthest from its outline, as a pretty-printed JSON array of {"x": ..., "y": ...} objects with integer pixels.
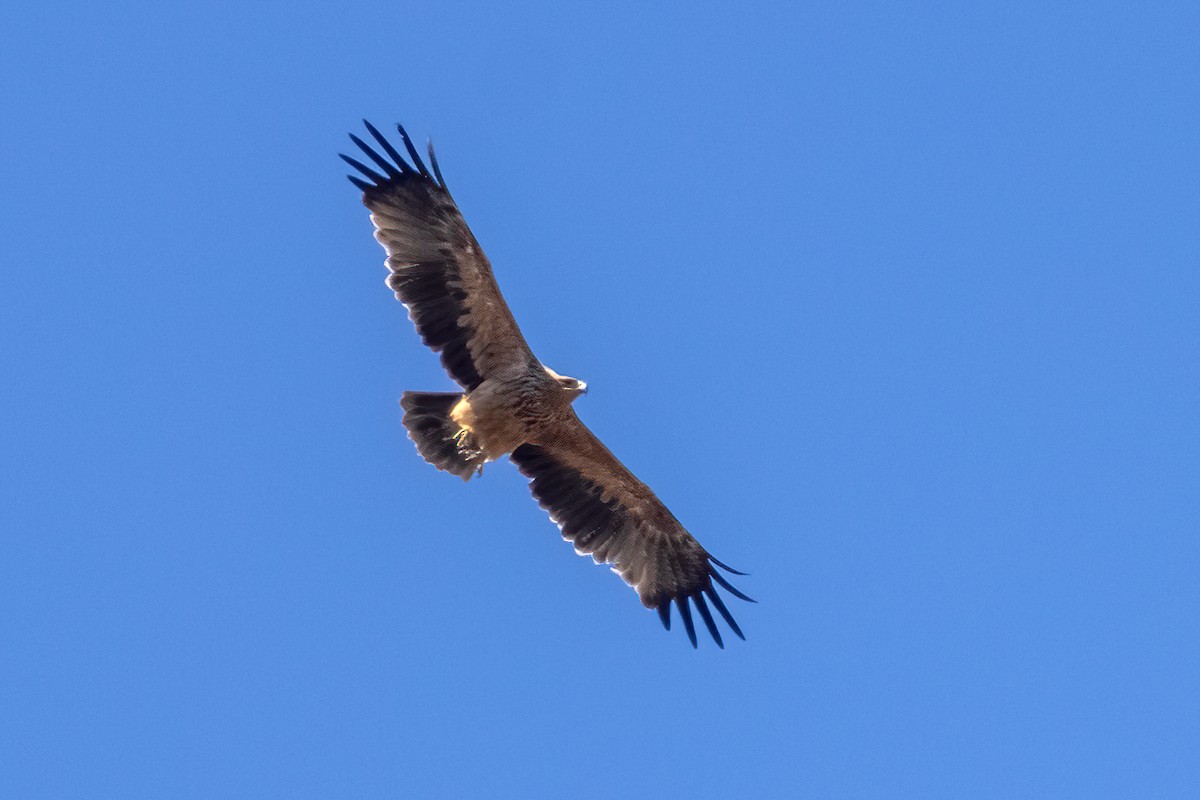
[
  {"x": 726, "y": 567},
  {"x": 387, "y": 147},
  {"x": 719, "y": 604},
  {"x": 412, "y": 152},
  {"x": 433, "y": 163},
  {"x": 401, "y": 166},
  {"x": 364, "y": 169},
  {"x": 716, "y": 576},
  {"x": 685, "y": 612},
  {"x": 360, "y": 183},
  {"x": 664, "y": 613},
  {"x": 379, "y": 160},
  {"x": 698, "y": 599}
]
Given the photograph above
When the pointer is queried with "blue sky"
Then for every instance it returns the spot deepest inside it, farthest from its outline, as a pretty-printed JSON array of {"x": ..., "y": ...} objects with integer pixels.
[{"x": 894, "y": 305}]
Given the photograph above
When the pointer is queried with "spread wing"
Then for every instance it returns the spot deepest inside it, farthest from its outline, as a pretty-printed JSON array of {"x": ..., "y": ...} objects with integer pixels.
[
  {"x": 609, "y": 514},
  {"x": 437, "y": 268}
]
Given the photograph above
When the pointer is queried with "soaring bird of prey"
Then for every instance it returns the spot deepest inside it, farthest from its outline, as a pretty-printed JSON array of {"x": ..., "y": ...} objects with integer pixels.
[{"x": 512, "y": 404}]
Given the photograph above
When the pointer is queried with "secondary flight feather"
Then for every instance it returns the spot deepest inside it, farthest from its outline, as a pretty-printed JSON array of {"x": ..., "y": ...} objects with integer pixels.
[{"x": 512, "y": 404}]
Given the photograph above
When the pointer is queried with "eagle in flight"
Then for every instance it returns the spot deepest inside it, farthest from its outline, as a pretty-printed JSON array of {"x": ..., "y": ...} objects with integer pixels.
[{"x": 513, "y": 405}]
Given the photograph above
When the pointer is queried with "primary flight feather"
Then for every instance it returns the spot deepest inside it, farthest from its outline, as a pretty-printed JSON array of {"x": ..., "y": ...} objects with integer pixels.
[{"x": 514, "y": 405}]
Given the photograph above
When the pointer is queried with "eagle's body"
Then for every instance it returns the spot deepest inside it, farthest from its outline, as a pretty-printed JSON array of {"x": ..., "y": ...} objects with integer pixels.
[
  {"x": 506, "y": 411},
  {"x": 511, "y": 404}
]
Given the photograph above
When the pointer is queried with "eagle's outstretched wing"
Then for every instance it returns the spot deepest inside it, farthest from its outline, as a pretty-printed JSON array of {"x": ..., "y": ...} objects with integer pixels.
[
  {"x": 612, "y": 516},
  {"x": 437, "y": 268}
]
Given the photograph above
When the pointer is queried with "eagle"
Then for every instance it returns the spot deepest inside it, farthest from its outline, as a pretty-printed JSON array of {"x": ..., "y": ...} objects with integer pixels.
[{"x": 512, "y": 404}]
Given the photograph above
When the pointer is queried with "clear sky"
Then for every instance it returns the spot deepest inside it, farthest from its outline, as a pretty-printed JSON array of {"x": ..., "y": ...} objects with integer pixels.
[{"x": 894, "y": 305}]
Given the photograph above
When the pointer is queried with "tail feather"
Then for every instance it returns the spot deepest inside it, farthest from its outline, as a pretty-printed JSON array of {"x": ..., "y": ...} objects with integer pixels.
[{"x": 440, "y": 440}]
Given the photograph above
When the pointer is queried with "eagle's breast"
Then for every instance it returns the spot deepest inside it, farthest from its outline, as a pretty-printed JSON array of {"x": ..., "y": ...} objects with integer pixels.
[{"x": 505, "y": 412}]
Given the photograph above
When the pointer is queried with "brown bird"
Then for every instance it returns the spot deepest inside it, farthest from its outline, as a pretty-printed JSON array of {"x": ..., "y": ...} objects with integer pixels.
[{"x": 514, "y": 405}]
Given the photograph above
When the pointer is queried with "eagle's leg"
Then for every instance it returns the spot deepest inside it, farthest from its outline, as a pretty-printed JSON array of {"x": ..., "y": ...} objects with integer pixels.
[
  {"x": 469, "y": 447},
  {"x": 465, "y": 440}
]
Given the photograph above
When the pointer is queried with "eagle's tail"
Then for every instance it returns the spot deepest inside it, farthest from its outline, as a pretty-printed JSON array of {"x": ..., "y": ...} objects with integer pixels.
[{"x": 440, "y": 440}]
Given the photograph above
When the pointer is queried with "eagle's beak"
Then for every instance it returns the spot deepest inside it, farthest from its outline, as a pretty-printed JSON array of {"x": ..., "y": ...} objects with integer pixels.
[{"x": 582, "y": 387}]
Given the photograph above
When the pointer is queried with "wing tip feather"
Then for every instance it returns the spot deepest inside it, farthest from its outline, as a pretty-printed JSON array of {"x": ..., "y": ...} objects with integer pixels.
[
  {"x": 729, "y": 587},
  {"x": 401, "y": 168},
  {"x": 433, "y": 162},
  {"x": 706, "y": 615},
  {"x": 412, "y": 152},
  {"x": 725, "y": 566},
  {"x": 378, "y": 179},
  {"x": 379, "y": 160},
  {"x": 685, "y": 613},
  {"x": 724, "y": 612}
]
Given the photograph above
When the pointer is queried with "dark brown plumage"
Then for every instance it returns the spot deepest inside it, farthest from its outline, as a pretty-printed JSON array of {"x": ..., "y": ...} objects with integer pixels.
[{"x": 512, "y": 404}]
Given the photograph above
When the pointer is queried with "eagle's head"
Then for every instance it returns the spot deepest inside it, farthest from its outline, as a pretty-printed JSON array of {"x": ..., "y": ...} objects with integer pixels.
[{"x": 573, "y": 386}]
